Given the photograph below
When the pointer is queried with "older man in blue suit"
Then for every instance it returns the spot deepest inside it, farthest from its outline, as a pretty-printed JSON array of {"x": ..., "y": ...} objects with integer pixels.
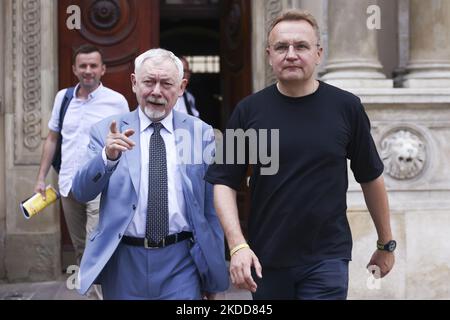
[{"x": 158, "y": 236}]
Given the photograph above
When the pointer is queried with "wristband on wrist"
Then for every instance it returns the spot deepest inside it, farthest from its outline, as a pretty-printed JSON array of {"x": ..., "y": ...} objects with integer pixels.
[{"x": 238, "y": 247}]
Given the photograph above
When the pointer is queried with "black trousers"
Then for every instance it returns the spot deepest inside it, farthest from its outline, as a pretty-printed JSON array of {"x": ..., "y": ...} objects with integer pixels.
[{"x": 326, "y": 280}]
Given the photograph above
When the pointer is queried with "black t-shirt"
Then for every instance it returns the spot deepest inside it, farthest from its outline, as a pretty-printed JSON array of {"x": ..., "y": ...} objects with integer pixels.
[{"x": 298, "y": 215}]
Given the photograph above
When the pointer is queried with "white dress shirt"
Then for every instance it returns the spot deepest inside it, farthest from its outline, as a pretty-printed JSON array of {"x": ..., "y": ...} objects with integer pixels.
[
  {"x": 177, "y": 206},
  {"x": 80, "y": 116},
  {"x": 180, "y": 106}
]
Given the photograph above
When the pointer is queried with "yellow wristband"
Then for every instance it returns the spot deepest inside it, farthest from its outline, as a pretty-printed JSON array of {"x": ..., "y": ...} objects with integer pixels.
[{"x": 238, "y": 247}]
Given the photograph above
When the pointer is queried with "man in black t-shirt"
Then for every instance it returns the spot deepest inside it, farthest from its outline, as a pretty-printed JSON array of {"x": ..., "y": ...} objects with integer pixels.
[{"x": 298, "y": 229}]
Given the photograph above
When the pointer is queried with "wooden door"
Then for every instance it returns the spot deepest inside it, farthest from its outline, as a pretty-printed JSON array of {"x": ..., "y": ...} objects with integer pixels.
[
  {"x": 121, "y": 28},
  {"x": 235, "y": 47},
  {"x": 236, "y": 69}
]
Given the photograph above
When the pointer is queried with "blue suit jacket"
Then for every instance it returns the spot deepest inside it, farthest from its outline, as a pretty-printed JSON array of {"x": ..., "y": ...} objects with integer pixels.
[{"x": 120, "y": 186}]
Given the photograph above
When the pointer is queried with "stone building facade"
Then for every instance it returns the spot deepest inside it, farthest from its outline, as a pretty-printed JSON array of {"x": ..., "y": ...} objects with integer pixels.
[{"x": 400, "y": 70}]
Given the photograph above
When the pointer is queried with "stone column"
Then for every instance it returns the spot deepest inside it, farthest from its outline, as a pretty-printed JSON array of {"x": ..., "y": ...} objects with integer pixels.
[
  {"x": 32, "y": 247},
  {"x": 2, "y": 143},
  {"x": 352, "y": 47},
  {"x": 429, "y": 64}
]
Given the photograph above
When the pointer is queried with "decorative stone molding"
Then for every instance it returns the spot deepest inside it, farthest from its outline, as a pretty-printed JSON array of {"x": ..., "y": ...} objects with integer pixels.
[
  {"x": 404, "y": 154},
  {"x": 273, "y": 9},
  {"x": 26, "y": 84},
  {"x": 29, "y": 51},
  {"x": 31, "y": 73}
]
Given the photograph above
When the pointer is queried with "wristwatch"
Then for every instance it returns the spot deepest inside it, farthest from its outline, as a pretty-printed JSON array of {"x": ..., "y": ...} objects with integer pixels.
[{"x": 389, "y": 246}]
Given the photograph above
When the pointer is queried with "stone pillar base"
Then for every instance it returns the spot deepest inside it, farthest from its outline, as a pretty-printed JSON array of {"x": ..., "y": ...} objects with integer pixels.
[
  {"x": 431, "y": 74},
  {"x": 33, "y": 257},
  {"x": 427, "y": 83},
  {"x": 361, "y": 83}
]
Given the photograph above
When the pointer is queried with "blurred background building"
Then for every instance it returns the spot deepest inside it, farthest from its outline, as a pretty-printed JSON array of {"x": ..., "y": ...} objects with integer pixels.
[{"x": 394, "y": 54}]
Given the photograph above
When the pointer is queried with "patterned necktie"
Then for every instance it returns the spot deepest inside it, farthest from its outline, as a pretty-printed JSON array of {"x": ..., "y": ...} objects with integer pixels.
[{"x": 157, "y": 226}]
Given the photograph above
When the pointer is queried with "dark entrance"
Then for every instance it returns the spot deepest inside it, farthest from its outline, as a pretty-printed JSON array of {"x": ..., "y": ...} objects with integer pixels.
[
  {"x": 207, "y": 31},
  {"x": 193, "y": 31}
]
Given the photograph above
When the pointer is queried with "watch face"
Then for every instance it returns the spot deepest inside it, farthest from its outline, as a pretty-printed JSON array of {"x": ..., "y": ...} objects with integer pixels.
[{"x": 392, "y": 245}]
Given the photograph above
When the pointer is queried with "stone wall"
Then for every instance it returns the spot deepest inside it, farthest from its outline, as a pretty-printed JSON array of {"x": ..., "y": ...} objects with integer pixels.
[
  {"x": 32, "y": 247},
  {"x": 411, "y": 128}
]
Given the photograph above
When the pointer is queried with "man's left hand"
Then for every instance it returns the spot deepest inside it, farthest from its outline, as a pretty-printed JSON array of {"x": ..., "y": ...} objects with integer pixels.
[{"x": 384, "y": 260}]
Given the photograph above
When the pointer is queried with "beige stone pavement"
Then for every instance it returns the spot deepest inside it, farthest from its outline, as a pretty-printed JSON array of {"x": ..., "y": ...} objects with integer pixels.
[{"x": 57, "y": 290}]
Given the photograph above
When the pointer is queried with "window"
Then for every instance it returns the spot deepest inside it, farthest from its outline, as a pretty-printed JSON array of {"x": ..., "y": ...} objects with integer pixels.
[{"x": 204, "y": 64}]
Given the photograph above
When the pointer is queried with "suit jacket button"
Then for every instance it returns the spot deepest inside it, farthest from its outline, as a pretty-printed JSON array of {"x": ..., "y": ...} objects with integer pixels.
[
  {"x": 120, "y": 236},
  {"x": 134, "y": 207}
]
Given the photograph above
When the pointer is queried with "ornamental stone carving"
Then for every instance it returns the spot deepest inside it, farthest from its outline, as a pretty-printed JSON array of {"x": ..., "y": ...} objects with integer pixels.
[
  {"x": 31, "y": 64},
  {"x": 273, "y": 9},
  {"x": 404, "y": 154}
]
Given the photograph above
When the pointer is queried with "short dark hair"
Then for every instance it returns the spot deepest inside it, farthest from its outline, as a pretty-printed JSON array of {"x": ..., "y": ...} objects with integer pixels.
[
  {"x": 86, "y": 48},
  {"x": 295, "y": 15}
]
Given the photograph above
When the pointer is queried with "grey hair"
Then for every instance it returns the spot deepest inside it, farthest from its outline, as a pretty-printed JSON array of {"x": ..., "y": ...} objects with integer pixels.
[{"x": 161, "y": 54}]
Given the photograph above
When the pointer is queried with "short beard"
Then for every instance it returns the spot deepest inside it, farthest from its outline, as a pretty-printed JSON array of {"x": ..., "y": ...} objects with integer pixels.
[
  {"x": 155, "y": 115},
  {"x": 90, "y": 87}
]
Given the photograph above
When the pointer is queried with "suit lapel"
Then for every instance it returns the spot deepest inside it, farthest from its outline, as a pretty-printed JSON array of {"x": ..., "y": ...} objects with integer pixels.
[
  {"x": 179, "y": 122},
  {"x": 133, "y": 156}
]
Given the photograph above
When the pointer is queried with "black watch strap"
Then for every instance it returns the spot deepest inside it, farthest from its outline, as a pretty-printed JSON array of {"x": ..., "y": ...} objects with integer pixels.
[{"x": 388, "y": 246}]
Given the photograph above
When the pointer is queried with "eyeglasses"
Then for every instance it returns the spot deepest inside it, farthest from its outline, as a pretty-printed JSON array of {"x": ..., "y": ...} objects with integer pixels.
[{"x": 282, "y": 48}]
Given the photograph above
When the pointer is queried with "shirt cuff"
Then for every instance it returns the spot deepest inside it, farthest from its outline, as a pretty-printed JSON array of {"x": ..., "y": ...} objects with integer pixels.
[{"x": 109, "y": 164}]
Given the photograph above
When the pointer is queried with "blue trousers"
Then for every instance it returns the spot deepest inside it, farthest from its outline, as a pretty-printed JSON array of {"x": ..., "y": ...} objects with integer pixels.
[
  {"x": 154, "y": 274},
  {"x": 327, "y": 280}
]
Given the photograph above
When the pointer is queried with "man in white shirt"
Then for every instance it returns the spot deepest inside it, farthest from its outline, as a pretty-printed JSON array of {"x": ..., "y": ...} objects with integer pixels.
[
  {"x": 186, "y": 103},
  {"x": 90, "y": 103}
]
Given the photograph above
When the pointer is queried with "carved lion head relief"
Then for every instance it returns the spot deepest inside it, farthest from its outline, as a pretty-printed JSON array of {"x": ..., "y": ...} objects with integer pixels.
[{"x": 403, "y": 154}]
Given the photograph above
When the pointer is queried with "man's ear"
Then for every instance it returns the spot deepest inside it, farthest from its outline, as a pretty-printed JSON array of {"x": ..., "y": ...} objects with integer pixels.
[
  {"x": 268, "y": 56},
  {"x": 133, "y": 82},
  {"x": 74, "y": 69},
  {"x": 103, "y": 69},
  {"x": 319, "y": 56},
  {"x": 182, "y": 87}
]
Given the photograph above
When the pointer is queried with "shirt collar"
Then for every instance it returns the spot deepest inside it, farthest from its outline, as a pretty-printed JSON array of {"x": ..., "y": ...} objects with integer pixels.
[
  {"x": 144, "y": 121},
  {"x": 91, "y": 95}
]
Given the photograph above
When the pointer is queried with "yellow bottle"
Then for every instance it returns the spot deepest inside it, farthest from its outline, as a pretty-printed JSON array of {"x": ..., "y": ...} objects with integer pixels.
[{"x": 36, "y": 203}]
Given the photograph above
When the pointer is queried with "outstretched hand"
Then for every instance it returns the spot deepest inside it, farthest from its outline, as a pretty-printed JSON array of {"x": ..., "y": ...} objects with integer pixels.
[{"x": 117, "y": 142}]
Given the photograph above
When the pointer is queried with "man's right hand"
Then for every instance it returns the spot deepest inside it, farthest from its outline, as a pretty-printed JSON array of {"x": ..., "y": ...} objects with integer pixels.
[
  {"x": 40, "y": 188},
  {"x": 240, "y": 269},
  {"x": 117, "y": 142}
]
